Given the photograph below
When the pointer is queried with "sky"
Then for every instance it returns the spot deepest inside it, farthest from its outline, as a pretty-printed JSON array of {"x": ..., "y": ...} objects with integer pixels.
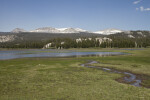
[{"x": 92, "y": 15}]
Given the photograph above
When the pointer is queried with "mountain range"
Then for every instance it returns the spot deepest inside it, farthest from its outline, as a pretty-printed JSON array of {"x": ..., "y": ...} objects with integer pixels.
[
  {"x": 20, "y": 37},
  {"x": 67, "y": 30}
]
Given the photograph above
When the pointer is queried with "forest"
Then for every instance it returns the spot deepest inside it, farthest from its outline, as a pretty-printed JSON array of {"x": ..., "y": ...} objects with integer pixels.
[{"x": 87, "y": 40}]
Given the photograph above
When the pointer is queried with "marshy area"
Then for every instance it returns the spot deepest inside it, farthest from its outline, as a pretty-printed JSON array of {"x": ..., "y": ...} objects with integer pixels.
[{"x": 63, "y": 78}]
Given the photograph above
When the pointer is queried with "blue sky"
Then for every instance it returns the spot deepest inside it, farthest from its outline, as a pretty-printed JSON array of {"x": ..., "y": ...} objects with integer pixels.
[{"x": 91, "y": 15}]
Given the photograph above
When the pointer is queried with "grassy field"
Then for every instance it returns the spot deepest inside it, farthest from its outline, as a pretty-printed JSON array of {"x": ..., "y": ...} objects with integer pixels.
[{"x": 65, "y": 79}]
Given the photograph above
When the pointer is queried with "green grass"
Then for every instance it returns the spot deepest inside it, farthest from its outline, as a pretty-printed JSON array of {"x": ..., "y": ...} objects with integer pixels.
[{"x": 65, "y": 79}]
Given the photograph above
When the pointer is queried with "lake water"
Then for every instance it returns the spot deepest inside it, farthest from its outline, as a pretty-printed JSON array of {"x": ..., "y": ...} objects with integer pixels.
[{"x": 12, "y": 54}]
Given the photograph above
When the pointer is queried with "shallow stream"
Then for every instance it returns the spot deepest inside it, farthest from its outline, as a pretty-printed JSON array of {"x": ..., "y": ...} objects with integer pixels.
[{"x": 129, "y": 78}]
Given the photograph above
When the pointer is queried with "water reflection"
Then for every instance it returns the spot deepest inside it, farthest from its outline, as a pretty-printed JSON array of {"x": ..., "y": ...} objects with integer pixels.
[
  {"x": 12, "y": 54},
  {"x": 131, "y": 78}
]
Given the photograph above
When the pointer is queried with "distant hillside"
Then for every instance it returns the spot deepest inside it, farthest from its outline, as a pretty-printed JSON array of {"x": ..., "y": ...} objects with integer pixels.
[
  {"x": 34, "y": 36},
  {"x": 37, "y": 39}
]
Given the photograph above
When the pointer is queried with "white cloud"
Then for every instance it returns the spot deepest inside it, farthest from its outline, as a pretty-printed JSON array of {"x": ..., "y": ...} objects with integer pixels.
[
  {"x": 137, "y": 8},
  {"x": 136, "y": 2},
  {"x": 143, "y": 9},
  {"x": 147, "y": 9}
]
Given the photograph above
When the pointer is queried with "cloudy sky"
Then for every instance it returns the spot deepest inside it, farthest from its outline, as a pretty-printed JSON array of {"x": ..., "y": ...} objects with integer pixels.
[{"x": 91, "y": 15}]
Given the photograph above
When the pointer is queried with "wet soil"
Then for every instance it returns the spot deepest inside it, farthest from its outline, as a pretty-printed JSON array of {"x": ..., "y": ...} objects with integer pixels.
[{"x": 127, "y": 76}]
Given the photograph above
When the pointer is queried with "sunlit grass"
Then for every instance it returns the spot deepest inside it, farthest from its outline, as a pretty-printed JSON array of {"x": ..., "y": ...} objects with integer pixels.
[{"x": 65, "y": 79}]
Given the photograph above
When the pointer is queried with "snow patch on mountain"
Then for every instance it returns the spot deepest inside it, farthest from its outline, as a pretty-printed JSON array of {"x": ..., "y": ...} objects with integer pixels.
[
  {"x": 59, "y": 30},
  {"x": 108, "y": 31},
  {"x": 81, "y": 30},
  {"x": 46, "y": 30}
]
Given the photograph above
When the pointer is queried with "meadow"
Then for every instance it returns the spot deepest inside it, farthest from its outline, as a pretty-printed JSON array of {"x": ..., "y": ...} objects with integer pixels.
[{"x": 65, "y": 79}]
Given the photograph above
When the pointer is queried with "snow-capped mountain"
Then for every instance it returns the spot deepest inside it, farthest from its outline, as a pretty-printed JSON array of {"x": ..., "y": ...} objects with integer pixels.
[
  {"x": 108, "y": 31},
  {"x": 46, "y": 30},
  {"x": 81, "y": 30},
  {"x": 67, "y": 30},
  {"x": 18, "y": 30},
  {"x": 59, "y": 30},
  {"x": 72, "y": 30}
]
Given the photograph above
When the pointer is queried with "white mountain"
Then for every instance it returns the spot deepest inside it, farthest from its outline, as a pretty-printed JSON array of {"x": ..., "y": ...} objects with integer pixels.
[
  {"x": 18, "y": 30},
  {"x": 108, "y": 31},
  {"x": 81, "y": 30},
  {"x": 59, "y": 30},
  {"x": 72, "y": 30},
  {"x": 46, "y": 30},
  {"x": 67, "y": 30}
]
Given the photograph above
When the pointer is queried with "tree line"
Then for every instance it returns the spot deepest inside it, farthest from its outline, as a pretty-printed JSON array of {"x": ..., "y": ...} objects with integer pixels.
[
  {"x": 72, "y": 43},
  {"x": 120, "y": 40}
]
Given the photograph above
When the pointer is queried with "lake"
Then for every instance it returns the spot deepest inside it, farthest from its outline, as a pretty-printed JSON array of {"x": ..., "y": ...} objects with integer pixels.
[{"x": 13, "y": 54}]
